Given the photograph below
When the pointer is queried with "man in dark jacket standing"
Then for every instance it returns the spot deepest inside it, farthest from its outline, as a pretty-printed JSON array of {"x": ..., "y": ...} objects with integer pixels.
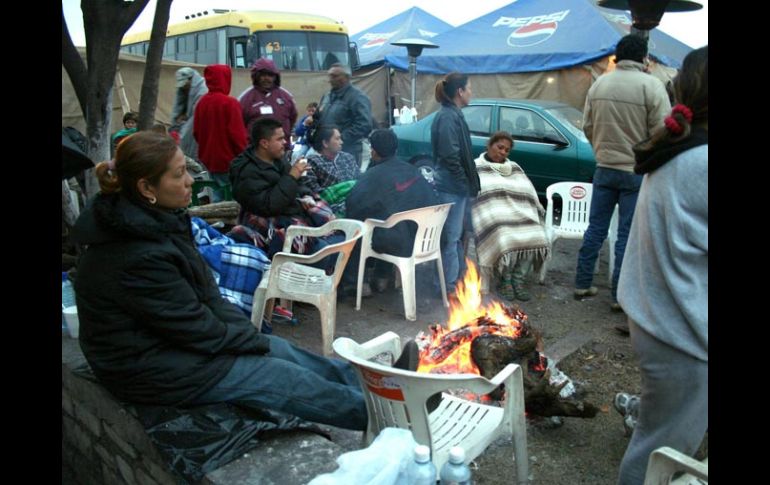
[
  {"x": 266, "y": 98},
  {"x": 348, "y": 108},
  {"x": 218, "y": 126}
]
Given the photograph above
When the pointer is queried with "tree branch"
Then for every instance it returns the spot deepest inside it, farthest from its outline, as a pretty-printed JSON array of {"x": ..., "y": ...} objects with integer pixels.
[{"x": 148, "y": 101}]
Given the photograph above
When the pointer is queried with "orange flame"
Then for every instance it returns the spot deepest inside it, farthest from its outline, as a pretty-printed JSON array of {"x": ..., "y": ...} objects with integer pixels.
[{"x": 469, "y": 314}]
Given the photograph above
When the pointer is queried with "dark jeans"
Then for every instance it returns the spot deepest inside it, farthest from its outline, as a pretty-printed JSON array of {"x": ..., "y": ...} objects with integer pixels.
[
  {"x": 452, "y": 251},
  {"x": 295, "y": 381},
  {"x": 610, "y": 187}
]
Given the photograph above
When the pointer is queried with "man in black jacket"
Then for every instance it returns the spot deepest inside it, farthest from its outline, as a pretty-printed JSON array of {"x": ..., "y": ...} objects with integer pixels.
[
  {"x": 390, "y": 185},
  {"x": 348, "y": 108}
]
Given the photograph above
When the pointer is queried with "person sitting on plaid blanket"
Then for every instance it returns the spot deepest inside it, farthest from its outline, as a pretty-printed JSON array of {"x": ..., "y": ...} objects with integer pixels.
[
  {"x": 273, "y": 194},
  {"x": 508, "y": 220}
]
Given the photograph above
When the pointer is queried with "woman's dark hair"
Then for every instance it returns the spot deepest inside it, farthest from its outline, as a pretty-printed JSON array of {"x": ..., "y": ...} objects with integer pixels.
[
  {"x": 324, "y": 133},
  {"x": 691, "y": 85},
  {"x": 143, "y": 155},
  {"x": 691, "y": 88},
  {"x": 446, "y": 89},
  {"x": 500, "y": 135}
]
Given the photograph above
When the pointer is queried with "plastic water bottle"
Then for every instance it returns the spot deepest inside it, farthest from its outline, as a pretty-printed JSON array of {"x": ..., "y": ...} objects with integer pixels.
[
  {"x": 67, "y": 298},
  {"x": 455, "y": 471},
  {"x": 422, "y": 471}
]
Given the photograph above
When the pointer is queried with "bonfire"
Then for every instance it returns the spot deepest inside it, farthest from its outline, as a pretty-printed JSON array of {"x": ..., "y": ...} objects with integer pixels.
[{"x": 482, "y": 338}]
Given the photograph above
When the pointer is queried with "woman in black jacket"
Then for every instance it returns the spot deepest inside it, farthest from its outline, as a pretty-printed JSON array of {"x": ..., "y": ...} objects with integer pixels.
[
  {"x": 154, "y": 327},
  {"x": 455, "y": 171}
]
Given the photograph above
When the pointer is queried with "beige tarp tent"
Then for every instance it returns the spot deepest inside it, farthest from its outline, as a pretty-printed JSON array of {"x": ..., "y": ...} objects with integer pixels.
[
  {"x": 304, "y": 86},
  {"x": 568, "y": 85}
]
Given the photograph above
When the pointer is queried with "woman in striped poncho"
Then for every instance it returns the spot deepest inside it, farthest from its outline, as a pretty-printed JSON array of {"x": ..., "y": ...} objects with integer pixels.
[{"x": 508, "y": 220}]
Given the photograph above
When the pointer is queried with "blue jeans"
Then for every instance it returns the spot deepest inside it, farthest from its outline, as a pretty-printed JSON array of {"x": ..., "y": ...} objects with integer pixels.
[
  {"x": 294, "y": 381},
  {"x": 452, "y": 251},
  {"x": 610, "y": 187},
  {"x": 674, "y": 405}
]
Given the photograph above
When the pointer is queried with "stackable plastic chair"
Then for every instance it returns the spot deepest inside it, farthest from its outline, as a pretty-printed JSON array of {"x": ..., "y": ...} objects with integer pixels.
[
  {"x": 397, "y": 398},
  {"x": 665, "y": 462},
  {"x": 427, "y": 247},
  {"x": 575, "y": 210},
  {"x": 291, "y": 279}
]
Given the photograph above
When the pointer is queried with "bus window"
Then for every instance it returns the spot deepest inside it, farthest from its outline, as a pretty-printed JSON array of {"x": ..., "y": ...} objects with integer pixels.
[
  {"x": 169, "y": 49},
  {"x": 238, "y": 52},
  {"x": 328, "y": 49},
  {"x": 206, "y": 52},
  {"x": 289, "y": 50},
  {"x": 185, "y": 48}
]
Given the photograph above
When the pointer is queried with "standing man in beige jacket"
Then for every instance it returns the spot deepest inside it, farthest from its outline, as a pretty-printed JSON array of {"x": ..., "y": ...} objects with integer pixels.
[{"x": 622, "y": 108}]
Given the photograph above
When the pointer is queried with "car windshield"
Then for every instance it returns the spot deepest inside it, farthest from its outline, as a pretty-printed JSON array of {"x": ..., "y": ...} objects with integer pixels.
[{"x": 571, "y": 118}]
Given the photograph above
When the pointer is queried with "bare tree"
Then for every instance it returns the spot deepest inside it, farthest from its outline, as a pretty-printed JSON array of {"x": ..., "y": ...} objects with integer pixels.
[
  {"x": 148, "y": 101},
  {"x": 105, "y": 23}
]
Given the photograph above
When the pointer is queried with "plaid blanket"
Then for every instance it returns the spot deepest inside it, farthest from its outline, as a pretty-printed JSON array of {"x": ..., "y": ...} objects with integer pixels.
[
  {"x": 237, "y": 268},
  {"x": 508, "y": 219},
  {"x": 268, "y": 233}
]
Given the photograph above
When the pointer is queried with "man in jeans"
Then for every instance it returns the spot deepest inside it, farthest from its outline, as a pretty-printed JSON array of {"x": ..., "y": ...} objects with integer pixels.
[{"x": 622, "y": 108}]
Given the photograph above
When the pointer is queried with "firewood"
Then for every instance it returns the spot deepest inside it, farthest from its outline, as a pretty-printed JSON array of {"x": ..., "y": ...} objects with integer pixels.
[{"x": 491, "y": 353}]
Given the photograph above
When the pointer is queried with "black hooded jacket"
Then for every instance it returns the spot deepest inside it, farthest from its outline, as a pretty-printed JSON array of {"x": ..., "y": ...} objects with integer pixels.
[{"x": 153, "y": 325}]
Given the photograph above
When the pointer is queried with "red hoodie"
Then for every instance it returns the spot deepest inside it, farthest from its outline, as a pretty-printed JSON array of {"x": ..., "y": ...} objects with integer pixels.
[{"x": 218, "y": 125}]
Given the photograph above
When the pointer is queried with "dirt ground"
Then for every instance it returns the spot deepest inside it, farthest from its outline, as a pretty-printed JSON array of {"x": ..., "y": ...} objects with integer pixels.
[{"x": 579, "y": 335}]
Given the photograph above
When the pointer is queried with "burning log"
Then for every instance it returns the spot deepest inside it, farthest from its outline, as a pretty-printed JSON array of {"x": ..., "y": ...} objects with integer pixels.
[{"x": 491, "y": 353}]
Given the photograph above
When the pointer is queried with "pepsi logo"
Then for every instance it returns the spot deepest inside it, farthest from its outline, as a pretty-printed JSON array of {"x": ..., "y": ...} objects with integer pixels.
[
  {"x": 533, "y": 30},
  {"x": 532, "y": 34},
  {"x": 375, "y": 39},
  {"x": 577, "y": 192},
  {"x": 375, "y": 43}
]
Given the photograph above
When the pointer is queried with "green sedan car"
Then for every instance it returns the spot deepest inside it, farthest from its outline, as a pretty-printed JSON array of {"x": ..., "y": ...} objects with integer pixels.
[{"x": 549, "y": 141}]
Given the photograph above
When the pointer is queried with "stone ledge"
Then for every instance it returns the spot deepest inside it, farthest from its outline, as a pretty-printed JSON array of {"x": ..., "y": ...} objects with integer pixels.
[{"x": 103, "y": 442}]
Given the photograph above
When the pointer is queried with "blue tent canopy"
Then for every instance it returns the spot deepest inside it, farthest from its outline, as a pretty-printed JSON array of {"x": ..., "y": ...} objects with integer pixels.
[
  {"x": 534, "y": 36},
  {"x": 374, "y": 42}
]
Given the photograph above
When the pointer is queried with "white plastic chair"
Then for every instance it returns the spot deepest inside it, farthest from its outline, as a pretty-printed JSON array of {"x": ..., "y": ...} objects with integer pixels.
[
  {"x": 397, "y": 398},
  {"x": 665, "y": 461},
  {"x": 290, "y": 279},
  {"x": 427, "y": 247},
  {"x": 575, "y": 210}
]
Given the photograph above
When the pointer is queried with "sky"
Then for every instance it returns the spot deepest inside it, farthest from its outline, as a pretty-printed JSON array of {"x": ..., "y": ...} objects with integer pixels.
[{"x": 688, "y": 27}]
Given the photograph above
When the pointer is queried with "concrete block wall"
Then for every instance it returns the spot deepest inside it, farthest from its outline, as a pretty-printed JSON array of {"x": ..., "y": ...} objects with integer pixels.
[{"x": 102, "y": 442}]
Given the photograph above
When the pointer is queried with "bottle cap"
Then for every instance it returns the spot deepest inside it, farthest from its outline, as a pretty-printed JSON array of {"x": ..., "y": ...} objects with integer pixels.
[
  {"x": 421, "y": 453},
  {"x": 456, "y": 455}
]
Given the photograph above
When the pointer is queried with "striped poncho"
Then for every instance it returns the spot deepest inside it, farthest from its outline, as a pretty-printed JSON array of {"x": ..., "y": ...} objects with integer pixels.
[{"x": 507, "y": 217}]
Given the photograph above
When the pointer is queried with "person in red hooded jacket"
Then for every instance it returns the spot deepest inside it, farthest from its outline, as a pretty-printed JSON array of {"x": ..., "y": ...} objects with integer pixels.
[
  {"x": 218, "y": 125},
  {"x": 266, "y": 98}
]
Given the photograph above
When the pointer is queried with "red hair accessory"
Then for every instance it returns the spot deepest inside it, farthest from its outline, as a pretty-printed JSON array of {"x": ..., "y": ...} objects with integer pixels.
[
  {"x": 672, "y": 124},
  {"x": 684, "y": 111}
]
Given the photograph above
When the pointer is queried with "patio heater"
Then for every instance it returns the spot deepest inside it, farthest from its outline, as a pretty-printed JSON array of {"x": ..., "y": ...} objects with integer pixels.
[
  {"x": 414, "y": 48},
  {"x": 646, "y": 14}
]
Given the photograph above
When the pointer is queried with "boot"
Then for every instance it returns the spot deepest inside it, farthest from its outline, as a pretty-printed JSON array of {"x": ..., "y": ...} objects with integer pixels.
[
  {"x": 506, "y": 287},
  {"x": 522, "y": 294},
  {"x": 518, "y": 275}
]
